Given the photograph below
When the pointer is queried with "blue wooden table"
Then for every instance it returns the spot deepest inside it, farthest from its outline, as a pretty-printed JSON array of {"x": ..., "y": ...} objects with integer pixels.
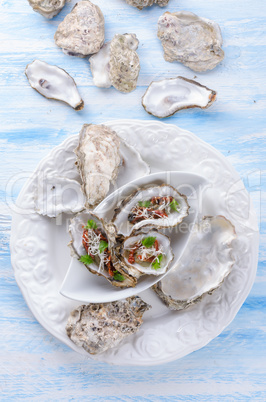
[{"x": 34, "y": 365}]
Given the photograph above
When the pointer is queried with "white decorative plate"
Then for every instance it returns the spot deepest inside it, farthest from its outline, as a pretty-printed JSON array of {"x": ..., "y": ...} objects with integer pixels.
[{"x": 40, "y": 256}]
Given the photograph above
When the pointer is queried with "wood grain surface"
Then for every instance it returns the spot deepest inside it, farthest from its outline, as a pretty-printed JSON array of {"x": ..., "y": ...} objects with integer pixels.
[{"x": 34, "y": 365}]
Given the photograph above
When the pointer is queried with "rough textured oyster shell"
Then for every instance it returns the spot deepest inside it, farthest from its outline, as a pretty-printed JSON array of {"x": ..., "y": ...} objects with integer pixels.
[
  {"x": 123, "y": 210},
  {"x": 53, "y": 83},
  {"x": 140, "y": 4},
  {"x": 98, "y": 327},
  {"x": 82, "y": 31},
  {"x": 77, "y": 249},
  {"x": 117, "y": 64},
  {"x": 48, "y": 8},
  {"x": 206, "y": 262},
  {"x": 196, "y": 42},
  {"x": 166, "y": 97},
  {"x": 55, "y": 195},
  {"x": 98, "y": 161},
  {"x": 137, "y": 269}
]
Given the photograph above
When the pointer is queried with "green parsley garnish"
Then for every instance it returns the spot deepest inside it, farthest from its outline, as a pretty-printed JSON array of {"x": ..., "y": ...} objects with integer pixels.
[
  {"x": 144, "y": 204},
  {"x": 174, "y": 204},
  {"x": 86, "y": 259},
  {"x": 118, "y": 277},
  {"x": 91, "y": 225},
  {"x": 157, "y": 262},
  {"x": 148, "y": 241},
  {"x": 103, "y": 245}
]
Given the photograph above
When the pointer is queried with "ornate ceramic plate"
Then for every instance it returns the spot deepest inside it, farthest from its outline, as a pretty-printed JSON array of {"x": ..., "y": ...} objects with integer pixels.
[{"x": 40, "y": 256}]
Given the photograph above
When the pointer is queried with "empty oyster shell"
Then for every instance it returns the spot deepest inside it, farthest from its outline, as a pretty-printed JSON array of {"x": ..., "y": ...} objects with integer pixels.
[
  {"x": 98, "y": 161},
  {"x": 53, "y": 83},
  {"x": 99, "y": 327},
  {"x": 117, "y": 64},
  {"x": 96, "y": 242},
  {"x": 56, "y": 195},
  {"x": 82, "y": 31},
  {"x": 140, "y": 210},
  {"x": 140, "y": 4},
  {"x": 205, "y": 264},
  {"x": 147, "y": 253},
  {"x": 166, "y": 97},
  {"x": 48, "y": 8},
  {"x": 196, "y": 42}
]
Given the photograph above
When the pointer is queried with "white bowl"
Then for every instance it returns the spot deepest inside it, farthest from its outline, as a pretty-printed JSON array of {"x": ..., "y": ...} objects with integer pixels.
[{"x": 81, "y": 285}]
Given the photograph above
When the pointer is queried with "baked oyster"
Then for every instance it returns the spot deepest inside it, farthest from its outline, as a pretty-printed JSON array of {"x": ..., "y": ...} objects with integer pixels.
[
  {"x": 92, "y": 241},
  {"x": 155, "y": 206},
  {"x": 140, "y": 4},
  {"x": 166, "y": 97},
  {"x": 206, "y": 262},
  {"x": 48, "y": 8},
  {"x": 99, "y": 327},
  {"x": 53, "y": 82},
  {"x": 81, "y": 33},
  {"x": 98, "y": 161},
  {"x": 191, "y": 40},
  {"x": 146, "y": 253},
  {"x": 117, "y": 64}
]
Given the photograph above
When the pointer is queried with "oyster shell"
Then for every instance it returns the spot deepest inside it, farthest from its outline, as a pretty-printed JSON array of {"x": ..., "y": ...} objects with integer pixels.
[
  {"x": 56, "y": 195},
  {"x": 117, "y": 64},
  {"x": 152, "y": 257},
  {"x": 92, "y": 240},
  {"x": 166, "y": 97},
  {"x": 48, "y": 8},
  {"x": 140, "y": 4},
  {"x": 206, "y": 262},
  {"x": 194, "y": 41},
  {"x": 53, "y": 83},
  {"x": 98, "y": 161},
  {"x": 81, "y": 33},
  {"x": 133, "y": 212},
  {"x": 99, "y": 327}
]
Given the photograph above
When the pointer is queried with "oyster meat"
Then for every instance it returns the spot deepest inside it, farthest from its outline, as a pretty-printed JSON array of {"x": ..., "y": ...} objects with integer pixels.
[
  {"x": 194, "y": 41},
  {"x": 206, "y": 262},
  {"x": 140, "y": 4},
  {"x": 147, "y": 253},
  {"x": 166, "y": 97},
  {"x": 98, "y": 161},
  {"x": 48, "y": 8},
  {"x": 53, "y": 83},
  {"x": 99, "y": 327},
  {"x": 117, "y": 64},
  {"x": 81, "y": 33},
  {"x": 92, "y": 241},
  {"x": 56, "y": 195},
  {"x": 156, "y": 206}
]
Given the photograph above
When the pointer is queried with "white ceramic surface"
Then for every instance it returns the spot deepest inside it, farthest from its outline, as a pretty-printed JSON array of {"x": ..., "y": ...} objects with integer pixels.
[
  {"x": 40, "y": 256},
  {"x": 82, "y": 286}
]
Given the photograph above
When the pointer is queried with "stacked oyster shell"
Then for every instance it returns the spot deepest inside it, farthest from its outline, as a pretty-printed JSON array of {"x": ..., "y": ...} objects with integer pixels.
[{"x": 48, "y": 8}]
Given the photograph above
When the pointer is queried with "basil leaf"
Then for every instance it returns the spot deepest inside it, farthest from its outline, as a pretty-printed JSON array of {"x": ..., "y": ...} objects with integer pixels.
[
  {"x": 118, "y": 277},
  {"x": 91, "y": 224},
  {"x": 102, "y": 246},
  {"x": 144, "y": 204},
  {"x": 173, "y": 205},
  {"x": 86, "y": 259},
  {"x": 148, "y": 241},
  {"x": 157, "y": 262}
]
